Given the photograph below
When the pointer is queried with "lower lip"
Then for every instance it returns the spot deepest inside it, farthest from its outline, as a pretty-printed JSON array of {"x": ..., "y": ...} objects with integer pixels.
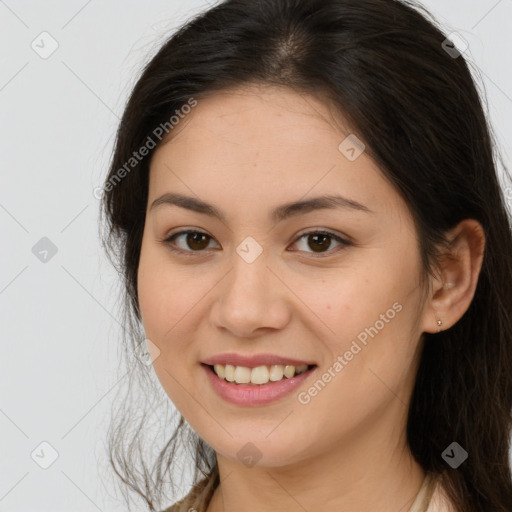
[{"x": 254, "y": 394}]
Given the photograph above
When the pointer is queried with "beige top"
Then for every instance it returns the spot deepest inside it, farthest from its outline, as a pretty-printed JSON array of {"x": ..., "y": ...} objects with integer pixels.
[
  {"x": 430, "y": 497},
  {"x": 199, "y": 496}
]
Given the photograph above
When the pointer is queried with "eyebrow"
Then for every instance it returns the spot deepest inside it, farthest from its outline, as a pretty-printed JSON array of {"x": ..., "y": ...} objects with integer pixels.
[{"x": 280, "y": 213}]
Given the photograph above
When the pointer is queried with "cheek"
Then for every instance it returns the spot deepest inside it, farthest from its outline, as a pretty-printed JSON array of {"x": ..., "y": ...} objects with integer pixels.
[
  {"x": 164, "y": 294},
  {"x": 371, "y": 357},
  {"x": 164, "y": 304},
  {"x": 152, "y": 292},
  {"x": 350, "y": 299},
  {"x": 368, "y": 315},
  {"x": 172, "y": 304}
]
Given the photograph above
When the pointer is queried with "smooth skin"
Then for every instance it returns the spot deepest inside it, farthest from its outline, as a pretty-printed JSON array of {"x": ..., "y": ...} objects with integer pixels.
[{"x": 246, "y": 152}]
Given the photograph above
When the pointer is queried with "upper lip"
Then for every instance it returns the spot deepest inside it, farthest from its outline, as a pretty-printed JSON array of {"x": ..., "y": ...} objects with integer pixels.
[{"x": 255, "y": 360}]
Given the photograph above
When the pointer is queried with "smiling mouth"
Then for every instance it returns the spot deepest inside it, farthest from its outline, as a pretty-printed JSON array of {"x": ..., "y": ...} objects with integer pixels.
[{"x": 259, "y": 375}]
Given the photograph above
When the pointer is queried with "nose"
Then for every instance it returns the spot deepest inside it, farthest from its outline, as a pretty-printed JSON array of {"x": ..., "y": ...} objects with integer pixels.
[{"x": 250, "y": 300}]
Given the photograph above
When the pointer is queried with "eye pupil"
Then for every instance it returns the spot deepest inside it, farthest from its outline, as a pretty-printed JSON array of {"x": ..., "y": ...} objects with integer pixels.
[
  {"x": 315, "y": 237},
  {"x": 195, "y": 238}
]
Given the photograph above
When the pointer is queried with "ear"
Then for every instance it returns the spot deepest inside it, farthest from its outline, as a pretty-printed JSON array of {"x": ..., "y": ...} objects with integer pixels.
[{"x": 453, "y": 289}]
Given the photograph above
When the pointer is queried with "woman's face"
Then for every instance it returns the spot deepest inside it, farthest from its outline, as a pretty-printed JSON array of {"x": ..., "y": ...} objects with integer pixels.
[{"x": 263, "y": 278}]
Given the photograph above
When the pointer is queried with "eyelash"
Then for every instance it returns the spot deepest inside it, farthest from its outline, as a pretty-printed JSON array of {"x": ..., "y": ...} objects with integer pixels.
[{"x": 169, "y": 242}]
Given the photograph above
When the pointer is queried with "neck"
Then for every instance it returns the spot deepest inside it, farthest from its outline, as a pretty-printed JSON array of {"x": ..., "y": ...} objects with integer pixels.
[{"x": 360, "y": 476}]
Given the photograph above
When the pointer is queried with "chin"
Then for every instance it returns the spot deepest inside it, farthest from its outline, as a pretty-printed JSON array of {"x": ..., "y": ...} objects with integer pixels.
[{"x": 258, "y": 451}]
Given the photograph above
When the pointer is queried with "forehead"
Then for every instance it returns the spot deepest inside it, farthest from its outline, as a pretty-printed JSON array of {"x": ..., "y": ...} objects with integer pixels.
[
  {"x": 270, "y": 142},
  {"x": 260, "y": 116}
]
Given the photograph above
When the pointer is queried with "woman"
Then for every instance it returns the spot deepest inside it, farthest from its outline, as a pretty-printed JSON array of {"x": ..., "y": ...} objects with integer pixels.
[{"x": 304, "y": 205}]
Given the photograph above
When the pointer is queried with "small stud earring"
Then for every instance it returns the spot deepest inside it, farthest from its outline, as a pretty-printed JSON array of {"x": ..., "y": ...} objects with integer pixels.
[{"x": 439, "y": 323}]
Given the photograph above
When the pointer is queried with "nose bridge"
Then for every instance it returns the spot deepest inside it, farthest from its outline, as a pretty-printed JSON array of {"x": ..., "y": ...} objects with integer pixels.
[
  {"x": 250, "y": 296},
  {"x": 250, "y": 271}
]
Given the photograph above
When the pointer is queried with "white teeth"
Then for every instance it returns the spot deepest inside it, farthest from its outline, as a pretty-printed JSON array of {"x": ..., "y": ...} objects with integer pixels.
[
  {"x": 289, "y": 371},
  {"x": 276, "y": 372},
  {"x": 242, "y": 375},
  {"x": 219, "y": 370},
  {"x": 229, "y": 371},
  {"x": 259, "y": 374}
]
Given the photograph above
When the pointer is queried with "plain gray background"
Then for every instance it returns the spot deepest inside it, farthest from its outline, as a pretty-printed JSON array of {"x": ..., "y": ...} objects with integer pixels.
[{"x": 60, "y": 330}]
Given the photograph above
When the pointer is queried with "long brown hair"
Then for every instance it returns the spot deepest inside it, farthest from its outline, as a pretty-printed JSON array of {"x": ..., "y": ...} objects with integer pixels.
[{"x": 412, "y": 99}]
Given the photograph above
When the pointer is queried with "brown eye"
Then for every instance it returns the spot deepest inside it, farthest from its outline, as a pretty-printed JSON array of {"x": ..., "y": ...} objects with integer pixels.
[
  {"x": 188, "y": 241},
  {"x": 196, "y": 241},
  {"x": 319, "y": 242}
]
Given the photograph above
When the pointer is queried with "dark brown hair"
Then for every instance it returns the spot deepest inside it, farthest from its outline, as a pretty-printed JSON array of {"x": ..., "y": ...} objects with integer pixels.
[{"x": 415, "y": 105}]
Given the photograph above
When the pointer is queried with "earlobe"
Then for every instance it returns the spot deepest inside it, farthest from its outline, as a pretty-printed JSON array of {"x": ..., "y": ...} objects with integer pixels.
[{"x": 459, "y": 269}]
